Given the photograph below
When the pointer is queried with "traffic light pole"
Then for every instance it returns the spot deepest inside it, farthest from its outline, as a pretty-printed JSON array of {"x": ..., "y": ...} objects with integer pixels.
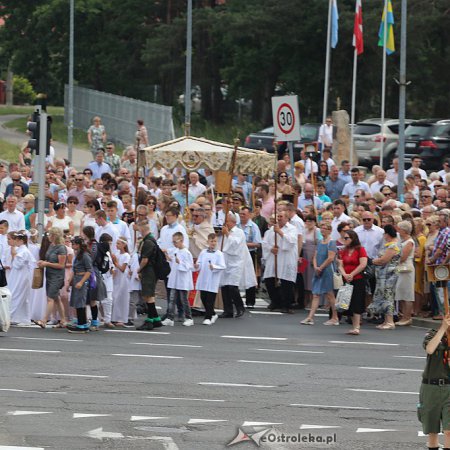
[{"x": 41, "y": 173}]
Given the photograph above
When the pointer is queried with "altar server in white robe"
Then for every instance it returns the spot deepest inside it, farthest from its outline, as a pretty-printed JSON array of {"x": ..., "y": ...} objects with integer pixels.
[
  {"x": 239, "y": 271},
  {"x": 19, "y": 281},
  {"x": 280, "y": 283}
]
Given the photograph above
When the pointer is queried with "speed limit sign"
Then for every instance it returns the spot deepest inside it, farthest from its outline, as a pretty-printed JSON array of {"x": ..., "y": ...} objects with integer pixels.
[{"x": 286, "y": 118}]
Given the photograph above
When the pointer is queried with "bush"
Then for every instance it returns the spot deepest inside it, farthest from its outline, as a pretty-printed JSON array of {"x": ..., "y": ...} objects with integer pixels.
[{"x": 23, "y": 91}]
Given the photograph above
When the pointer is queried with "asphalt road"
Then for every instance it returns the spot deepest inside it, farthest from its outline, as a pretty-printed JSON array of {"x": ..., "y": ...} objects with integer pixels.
[{"x": 193, "y": 388}]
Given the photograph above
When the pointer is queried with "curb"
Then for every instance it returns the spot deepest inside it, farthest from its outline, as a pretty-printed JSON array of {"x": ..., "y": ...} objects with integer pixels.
[{"x": 424, "y": 323}]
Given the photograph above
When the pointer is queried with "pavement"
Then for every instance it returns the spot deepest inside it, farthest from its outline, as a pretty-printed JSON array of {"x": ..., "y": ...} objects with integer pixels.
[
  {"x": 199, "y": 388},
  {"x": 81, "y": 157}
]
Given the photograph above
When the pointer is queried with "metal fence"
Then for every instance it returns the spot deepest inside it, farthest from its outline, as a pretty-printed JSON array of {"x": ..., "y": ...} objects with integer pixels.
[{"x": 119, "y": 115}]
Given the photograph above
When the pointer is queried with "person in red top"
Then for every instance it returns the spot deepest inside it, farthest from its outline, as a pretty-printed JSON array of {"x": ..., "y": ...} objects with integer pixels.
[{"x": 352, "y": 262}]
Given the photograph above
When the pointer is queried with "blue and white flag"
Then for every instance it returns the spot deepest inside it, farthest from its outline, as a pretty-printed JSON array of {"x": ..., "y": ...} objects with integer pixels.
[{"x": 334, "y": 24}]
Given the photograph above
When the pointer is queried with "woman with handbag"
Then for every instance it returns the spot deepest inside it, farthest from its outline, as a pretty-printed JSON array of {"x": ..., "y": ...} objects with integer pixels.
[
  {"x": 54, "y": 264},
  {"x": 386, "y": 279},
  {"x": 404, "y": 290},
  {"x": 322, "y": 282},
  {"x": 352, "y": 262}
]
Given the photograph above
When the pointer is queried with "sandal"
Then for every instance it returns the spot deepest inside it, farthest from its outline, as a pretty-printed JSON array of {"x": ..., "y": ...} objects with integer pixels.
[
  {"x": 331, "y": 322},
  {"x": 60, "y": 325},
  {"x": 39, "y": 323},
  {"x": 387, "y": 326},
  {"x": 354, "y": 332},
  {"x": 307, "y": 322}
]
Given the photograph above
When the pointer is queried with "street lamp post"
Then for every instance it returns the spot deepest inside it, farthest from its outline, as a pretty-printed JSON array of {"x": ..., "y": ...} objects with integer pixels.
[{"x": 70, "y": 100}]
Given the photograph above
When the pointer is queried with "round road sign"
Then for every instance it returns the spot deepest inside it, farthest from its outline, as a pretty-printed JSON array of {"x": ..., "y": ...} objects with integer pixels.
[{"x": 285, "y": 118}]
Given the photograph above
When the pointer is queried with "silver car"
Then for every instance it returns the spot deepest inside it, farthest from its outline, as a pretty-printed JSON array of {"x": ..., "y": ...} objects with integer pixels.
[{"x": 368, "y": 138}]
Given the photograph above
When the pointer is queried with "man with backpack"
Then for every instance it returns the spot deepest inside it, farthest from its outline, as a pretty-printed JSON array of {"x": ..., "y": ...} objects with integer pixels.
[{"x": 148, "y": 252}]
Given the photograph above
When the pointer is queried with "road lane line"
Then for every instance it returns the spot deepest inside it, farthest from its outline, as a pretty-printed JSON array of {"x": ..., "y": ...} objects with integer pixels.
[
  {"x": 12, "y": 447},
  {"x": 255, "y": 337},
  {"x": 148, "y": 333},
  {"x": 147, "y": 356},
  {"x": 33, "y": 392},
  {"x": 188, "y": 399},
  {"x": 363, "y": 343},
  {"x": 142, "y": 418},
  {"x": 271, "y": 362},
  {"x": 372, "y": 430},
  {"x": 28, "y": 350},
  {"x": 287, "y": 351},
  {"x": 382, "y": 392},
  {"x": 317, "y": 427},
  {"x": 260, "y": 424},
  {"x": 410, "y": 357},
  {"x": 391, "y": 369},
  {"x": 235, "y": 385},
  {"x": 85, "y": 416},
  {"x": 27, "y": 413},
  {"x": 304, "y": 405},
  {"x": 70, "y": 375},
  {"x": 166, "y": 345},
  {"x": 267, "y": 313},
  {"x": 194, "y": 421},
  {"x": 46, "y": 339}
]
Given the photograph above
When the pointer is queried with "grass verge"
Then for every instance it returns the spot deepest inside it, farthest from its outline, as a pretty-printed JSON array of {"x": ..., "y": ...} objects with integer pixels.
[{"x": 9, "y": 152}]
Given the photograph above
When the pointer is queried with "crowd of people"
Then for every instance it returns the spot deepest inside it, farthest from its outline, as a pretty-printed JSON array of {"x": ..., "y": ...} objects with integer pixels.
[{"x": 111, "y": 227}]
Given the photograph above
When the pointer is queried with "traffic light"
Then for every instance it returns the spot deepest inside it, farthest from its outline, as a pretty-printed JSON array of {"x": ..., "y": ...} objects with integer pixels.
[{"x": 33, "y": 128}]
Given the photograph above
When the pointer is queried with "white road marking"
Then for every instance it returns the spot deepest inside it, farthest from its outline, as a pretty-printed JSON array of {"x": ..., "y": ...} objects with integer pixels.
[
  {"x": 271, "y": 362},
  {"x": 316, "y": 427},
  {"x": 98, "y": 433},
  {"x": 189, "y": 399},
  {"x": 166, "y": 345},
  {"x": 27, "y": 350},
  {"x": 139, "y": 418},
  {"x": 11, "y": 447},
  {"x": 391, "y": 369},
  {"x": 84, "y": 416},
  {"x": 256, "y": 337},
  {"x": 47, "y": 339},
  {"x": 328, "y": 406},
  {"x": 235, "y": 385},
  {"x": 410, "y": 357},
  {"x": 255, "y": 424},
  {"x": 267, "y": 313},
  {"x": 363, "y": 343},
  {"x": 372, "y": 430},
  {"x": 166, "y": 441},
  {"x": 193, "y": 421},
  {"x": 33, "y": 392},
  {"x": 27, "y": 413},
  {"x": 148, "y": 333},
  {"x": 147, "y": 356},
  {"x": 382, "y": 392},
  {"x": 287, "y": 351},
  {"x": 50, "y": 374}
]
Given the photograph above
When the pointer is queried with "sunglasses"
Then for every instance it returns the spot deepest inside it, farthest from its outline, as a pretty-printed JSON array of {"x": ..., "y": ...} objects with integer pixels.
[
  {"x": 367, "y": 220},
  {"x": 79, "y": 179}
]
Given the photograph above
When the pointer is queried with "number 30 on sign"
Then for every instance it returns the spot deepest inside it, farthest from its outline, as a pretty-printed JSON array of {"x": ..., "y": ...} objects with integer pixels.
[{"x": 286, "y": 118}]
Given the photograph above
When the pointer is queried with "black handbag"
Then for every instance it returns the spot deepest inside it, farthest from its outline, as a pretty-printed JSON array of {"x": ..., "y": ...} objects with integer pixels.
[{"x": 3, "y": 281}]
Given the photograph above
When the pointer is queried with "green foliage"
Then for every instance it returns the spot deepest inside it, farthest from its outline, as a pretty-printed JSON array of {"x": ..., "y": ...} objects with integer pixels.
[
  {"x": 23, "y": 91},
  {"x": 9, "y": 152}
]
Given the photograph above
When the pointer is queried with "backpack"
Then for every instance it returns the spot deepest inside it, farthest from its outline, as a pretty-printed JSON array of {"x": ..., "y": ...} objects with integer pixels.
[
  {"x": 102, "y": 258},
  {"x": 161, "y": 266}
]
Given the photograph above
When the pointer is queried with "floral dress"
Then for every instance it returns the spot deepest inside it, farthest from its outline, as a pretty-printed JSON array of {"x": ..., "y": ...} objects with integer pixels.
[{"x": 386, "y": 276}]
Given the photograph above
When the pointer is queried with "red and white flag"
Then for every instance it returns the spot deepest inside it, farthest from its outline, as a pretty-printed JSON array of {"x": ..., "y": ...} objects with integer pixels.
[{"x": 358, "y": 41}]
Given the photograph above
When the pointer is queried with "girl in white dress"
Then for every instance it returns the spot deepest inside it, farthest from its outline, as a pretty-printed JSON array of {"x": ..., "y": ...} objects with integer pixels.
[
  {"x": 38, "y": 297},
  {"x": 121, "y": 292},
  {"x": 19, "y": 282}
]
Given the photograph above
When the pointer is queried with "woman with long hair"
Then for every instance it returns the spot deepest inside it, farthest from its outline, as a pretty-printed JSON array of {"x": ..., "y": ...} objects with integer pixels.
[
  {"x": 74, "y": 214},
  {"x": 38, "y": 297},
  {"x": 60, "y": 219},
  {"x": 90, "y": 208},
  {"x": 352, "y": 262},
  {"x": 79, "y": 281},
  {"x": 323, "y": 173}
]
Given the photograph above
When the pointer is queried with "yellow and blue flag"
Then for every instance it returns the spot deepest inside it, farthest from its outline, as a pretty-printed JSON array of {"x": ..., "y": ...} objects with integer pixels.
[{"x": 389, "y": 21}]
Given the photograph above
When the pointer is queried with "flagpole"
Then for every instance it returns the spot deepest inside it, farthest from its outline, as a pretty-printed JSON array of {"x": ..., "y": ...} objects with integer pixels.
[
  {"x": 327, "y": 65},
  {"x": 352, "y": 120},
  {"x": 383, "y": 81}
]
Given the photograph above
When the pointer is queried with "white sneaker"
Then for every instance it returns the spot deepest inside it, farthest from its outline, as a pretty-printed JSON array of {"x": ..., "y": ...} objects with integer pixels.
[
  {"x": 207, "y": 322},
  {"x": 168, "y": 322},
  {"x": 188, "y": 323},
  {"x": 214, "y": 318}
]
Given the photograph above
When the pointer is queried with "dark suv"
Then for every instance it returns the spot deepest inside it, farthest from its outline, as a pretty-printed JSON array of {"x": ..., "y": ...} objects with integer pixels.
[{"x": 429, "y": 139}]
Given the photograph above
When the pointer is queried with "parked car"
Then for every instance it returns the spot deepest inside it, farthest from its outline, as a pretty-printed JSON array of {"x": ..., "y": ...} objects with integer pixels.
[
  {"x": 368, "y": 137},
  {"x": 429, "y": 139},
  {"x": 265, "y": 139}
]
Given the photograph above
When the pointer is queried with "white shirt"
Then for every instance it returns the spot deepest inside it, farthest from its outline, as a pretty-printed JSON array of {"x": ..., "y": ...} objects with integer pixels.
[
  {"x": 334, "y": 224},
  {"x": 392, "y": 176},
  {"x": 351, "y": 188},
  {"x": 180, "y": 276},
  {"x": 166, "y": 233},
  {"x": 16, "y": 220},
  {"x": 376, "y": 186},
  {"x": 330, "y": 163},
  {"x": 371, "y": 239},
  {"x": 326, "y": 135},
  {"x": 422, "y": 172},
  {"x": 112, "y": 231},
  {"x": 298, "y": 223},
  {"x": 302, "y": 202},
  {"x": 287, "y": 253},
  {"x": 442, "y": 173},
  {"x": 209, "y": 279},
  {"x": 307, "y": 165},
  {"x": 197, "y": 189},
  {"x": 122, "y": 229}
]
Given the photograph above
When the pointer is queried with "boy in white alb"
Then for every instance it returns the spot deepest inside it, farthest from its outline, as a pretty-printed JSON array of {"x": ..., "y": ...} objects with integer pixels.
[
  {"x": 210, "y": 263},
  {"x": 180, "y": 279}
]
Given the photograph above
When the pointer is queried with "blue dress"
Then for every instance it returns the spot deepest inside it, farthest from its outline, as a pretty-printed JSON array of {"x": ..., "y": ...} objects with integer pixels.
[{"x": 324, "y": 283}]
